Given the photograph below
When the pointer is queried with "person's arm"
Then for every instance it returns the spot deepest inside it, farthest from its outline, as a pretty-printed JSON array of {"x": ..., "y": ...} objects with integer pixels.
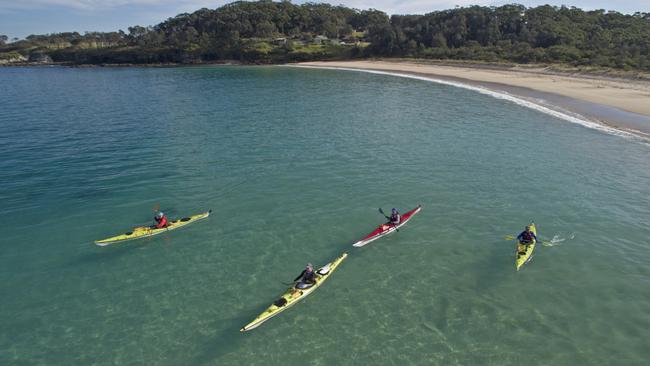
[
  {"x": 299, "y": 276},
  {"x": 534, "y": 236},
  {"x": 520, "y": 236}
]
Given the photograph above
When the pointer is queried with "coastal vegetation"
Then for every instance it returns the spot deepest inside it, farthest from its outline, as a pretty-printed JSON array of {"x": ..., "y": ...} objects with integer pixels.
[{"x": 277, "y": 32}]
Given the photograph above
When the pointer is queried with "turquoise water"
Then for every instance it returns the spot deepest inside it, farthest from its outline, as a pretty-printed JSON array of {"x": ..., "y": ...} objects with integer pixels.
[{"x": 294, "y": 164}]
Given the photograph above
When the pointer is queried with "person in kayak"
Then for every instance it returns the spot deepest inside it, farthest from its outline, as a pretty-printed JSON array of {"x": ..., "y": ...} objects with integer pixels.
[
  {"x": 395, "y": 218},
  {"x": 526, "y": 237},
  {"x": 307, "y": 277},
  {"x": 161, "y": 220}
]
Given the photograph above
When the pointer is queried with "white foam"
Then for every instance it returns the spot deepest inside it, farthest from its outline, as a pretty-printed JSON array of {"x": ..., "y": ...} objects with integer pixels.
[{"x": 573, "y": 118}]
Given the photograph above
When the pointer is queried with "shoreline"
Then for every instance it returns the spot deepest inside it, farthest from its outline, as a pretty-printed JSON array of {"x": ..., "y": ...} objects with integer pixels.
[{"x": 616, "y": 104}]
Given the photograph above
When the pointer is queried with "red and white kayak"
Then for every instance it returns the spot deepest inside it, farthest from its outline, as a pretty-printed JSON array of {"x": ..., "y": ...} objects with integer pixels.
[{"x": 385, "y": 229}]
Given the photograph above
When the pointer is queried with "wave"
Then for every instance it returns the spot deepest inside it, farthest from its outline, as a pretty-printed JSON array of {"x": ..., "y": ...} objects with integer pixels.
[{"x": 567, "y": 116}]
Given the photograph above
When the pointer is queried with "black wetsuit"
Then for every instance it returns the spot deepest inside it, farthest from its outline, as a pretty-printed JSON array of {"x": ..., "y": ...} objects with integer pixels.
[{"x": 306, "y": 277}]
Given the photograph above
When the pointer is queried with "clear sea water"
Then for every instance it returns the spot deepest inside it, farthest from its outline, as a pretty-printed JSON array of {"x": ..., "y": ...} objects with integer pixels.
[{"x": 295, "y": 163}]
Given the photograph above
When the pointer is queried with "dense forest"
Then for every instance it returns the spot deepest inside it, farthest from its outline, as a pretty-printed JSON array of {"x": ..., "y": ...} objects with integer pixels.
[{"x": 278, "y": 32}]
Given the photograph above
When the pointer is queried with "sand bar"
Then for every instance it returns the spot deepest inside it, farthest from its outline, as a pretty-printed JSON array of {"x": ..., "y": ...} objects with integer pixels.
[{"x": 620, "y": 103}]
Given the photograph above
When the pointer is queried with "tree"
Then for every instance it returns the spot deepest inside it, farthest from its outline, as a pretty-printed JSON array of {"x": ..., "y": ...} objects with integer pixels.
[
  {"x": 137, "y": 32},
  {"x": 457, "y": 30},
  {"x": 438, "y": 41}
]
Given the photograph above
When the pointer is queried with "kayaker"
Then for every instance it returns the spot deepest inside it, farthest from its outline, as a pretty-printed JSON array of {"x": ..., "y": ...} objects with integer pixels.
[
  {"x": 526, "y": 237},
  {"x": 307, "y": 277},
  {"x": 161, "y": 220},
  {"x": 395, "y": 218}
]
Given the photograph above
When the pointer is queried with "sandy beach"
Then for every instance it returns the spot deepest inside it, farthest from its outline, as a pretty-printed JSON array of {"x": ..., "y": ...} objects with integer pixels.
[{"x": 619, "y": 103}]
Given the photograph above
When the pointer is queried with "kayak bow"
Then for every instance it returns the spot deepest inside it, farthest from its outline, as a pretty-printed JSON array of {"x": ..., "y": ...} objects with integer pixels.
[
  {"x": 147, "y": 231},
  {"x": 293, "y": 295},
  {"x": 384, "y": 229}
]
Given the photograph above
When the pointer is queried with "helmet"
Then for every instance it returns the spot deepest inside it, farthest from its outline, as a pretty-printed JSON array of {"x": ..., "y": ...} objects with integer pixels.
[
  {"x": 160, "y": 215},
  {"x": 394, "y": 210}
]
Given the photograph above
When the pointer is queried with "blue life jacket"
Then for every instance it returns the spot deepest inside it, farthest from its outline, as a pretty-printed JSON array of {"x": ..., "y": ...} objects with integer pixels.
[{"x": 526, "y": 237}]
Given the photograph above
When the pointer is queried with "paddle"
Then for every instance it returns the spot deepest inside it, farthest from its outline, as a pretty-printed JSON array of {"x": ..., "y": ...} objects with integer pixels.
[
  {"x": 382, "y": 212},
  {"x": 387, "y": 217},
  {"x": 155, "y": 209},
  {"x": 545, "y": 243},
  {"x": 293, "y": 283}
]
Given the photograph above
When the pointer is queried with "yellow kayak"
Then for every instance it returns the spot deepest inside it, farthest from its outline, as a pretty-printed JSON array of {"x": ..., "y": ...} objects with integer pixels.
[
  {"x": 146, "y": 231},
  {"x": 525, "y": 252},
  {"x": 293, "y": 295}
]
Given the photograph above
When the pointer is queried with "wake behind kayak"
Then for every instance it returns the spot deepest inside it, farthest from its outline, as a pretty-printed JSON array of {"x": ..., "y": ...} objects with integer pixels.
[{"x": 147, "y": 231}]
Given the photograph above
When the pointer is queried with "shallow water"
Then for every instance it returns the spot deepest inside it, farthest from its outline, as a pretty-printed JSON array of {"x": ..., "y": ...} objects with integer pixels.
[{"x": 295, "y": 163}]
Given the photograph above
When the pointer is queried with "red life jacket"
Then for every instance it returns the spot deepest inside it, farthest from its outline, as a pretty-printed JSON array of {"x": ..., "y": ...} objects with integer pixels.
[{"x": 162, "y": 222}]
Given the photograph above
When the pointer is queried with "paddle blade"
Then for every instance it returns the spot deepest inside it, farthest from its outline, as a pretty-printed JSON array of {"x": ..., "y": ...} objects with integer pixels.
[
  {"x": 509, "y": 237},
  {"x": 381, "y": 211}
]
